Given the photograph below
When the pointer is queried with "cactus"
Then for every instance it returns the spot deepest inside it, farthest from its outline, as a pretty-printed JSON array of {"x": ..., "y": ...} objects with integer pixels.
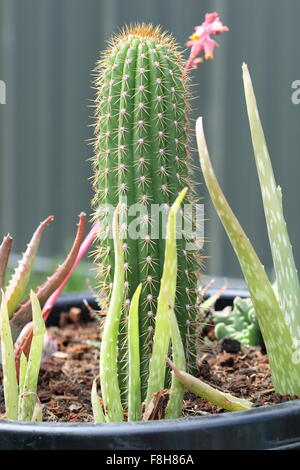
[
  {"x": 240, "y": 323},
  {"x": 141, "y": 157}
]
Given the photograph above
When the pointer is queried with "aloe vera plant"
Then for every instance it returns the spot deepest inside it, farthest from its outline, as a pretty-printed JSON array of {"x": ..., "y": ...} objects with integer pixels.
[
  {"x": 277, "y": 309},
  {"x": 20, "y": 395},
  {"x": 19, "y": 312},
  {"x": 166, "y": 332}
]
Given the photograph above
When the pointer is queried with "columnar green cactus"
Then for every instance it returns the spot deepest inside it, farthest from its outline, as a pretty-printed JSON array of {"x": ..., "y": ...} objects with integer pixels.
[{"x": 142, "y": 156}]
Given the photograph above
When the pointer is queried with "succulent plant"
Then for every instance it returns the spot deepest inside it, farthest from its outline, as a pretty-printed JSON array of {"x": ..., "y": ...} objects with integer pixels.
[
  {"x": 142, "y": 154},
  {"x": 277, "y": 306},
  {"x": 19, "y": 312},
  {"x": 20, "y": 387},
  {"x": 239, "y": 322},
  {"x": 166, "y": 333},
  {"x": 22, "y": 346}
]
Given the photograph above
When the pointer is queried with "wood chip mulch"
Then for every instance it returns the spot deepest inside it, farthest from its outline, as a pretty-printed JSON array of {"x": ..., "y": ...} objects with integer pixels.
[{"x": 66, "y": 376}]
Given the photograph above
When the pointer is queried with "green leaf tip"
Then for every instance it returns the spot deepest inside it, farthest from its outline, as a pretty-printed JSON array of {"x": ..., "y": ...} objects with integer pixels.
[
  {"x": 98, "y": 414},
  {"x": 37, "y": 316},
  {"x": 207, "y": 392}
]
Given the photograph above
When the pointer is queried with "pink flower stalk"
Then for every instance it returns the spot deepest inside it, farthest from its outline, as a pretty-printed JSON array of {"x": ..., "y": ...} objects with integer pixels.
[{"x": 201, "y": 41}]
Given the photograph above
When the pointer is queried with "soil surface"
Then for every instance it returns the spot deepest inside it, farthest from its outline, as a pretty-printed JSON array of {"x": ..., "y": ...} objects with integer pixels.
[{"x": 72, "y": 362}]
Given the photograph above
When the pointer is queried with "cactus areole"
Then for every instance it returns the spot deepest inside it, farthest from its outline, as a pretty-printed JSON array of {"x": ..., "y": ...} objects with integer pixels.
[{"x": 141, "y": 158}]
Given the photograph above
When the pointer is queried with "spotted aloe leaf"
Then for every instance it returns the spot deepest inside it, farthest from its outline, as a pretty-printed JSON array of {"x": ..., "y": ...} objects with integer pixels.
[
  {"x": 287, "y": 281},
  {"x": 19, "y": 281},
  {"x": 175, "y": 403},
  {"x": 28, "y": 398},
  {"x": 5, "y": 249},
  {"x": 205, "y": 391},
  {"x": 134, "y": 379},
  {"x": 109, "y": 346},
  {"x": 284, "y": 358},
  {"x": 161, "y": 340},
  {"x": 10, "y": 384},
  {"x": 98, "y": 414},
  {"x": 22, "y": 375}
]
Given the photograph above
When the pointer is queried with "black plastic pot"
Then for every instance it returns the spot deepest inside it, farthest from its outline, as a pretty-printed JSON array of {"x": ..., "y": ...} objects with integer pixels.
[{"x": 274, "y": 427}]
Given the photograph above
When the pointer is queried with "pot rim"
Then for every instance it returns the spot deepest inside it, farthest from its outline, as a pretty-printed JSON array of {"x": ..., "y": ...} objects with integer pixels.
[{"x": 263, "y": 413}]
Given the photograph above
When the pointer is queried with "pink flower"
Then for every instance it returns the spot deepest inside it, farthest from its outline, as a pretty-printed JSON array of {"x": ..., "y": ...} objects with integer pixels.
[
  {"x": 209, "y": 46},
  {"x": 201, "y": 40}
]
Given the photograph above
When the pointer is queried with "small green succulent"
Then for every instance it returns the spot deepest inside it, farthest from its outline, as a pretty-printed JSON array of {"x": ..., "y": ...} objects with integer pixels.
[{"x": 239, "y": 322}]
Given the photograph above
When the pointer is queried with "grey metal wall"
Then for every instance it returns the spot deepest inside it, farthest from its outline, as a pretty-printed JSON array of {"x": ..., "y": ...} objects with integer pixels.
[{"x": 47, "y": 51}]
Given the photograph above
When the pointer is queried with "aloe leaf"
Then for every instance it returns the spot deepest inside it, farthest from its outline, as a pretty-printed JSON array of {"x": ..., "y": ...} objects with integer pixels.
[
  {"x": 37, "y": 416},
  {"x": 134, "y": 379},
  {"x": 22, "y": 373},
  {"x": 10, "y": 384},
  {"x": 23, "y": 342},
  {"x": 85, "y": 245},
  {"x": 284, "y": 360},
  {"x": 205, "y": 391},
  {"x": 284, "y": 264},
  {"x": 5, "y": 249},
  {"x": 175, "y": 403},
  {"x": 24, "y": 314},
  {"x": 109, "y": 346},
  {"x": 210, "y": 302},
  {"x": 19, "y": 281},
  {"x": 98, "y": 414},
  {"x": 161, "y": 340},
  {"x": 29, "y": 393}
]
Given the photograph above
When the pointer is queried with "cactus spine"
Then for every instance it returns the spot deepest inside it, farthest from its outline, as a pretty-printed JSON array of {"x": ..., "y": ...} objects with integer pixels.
[{"x": 141, "y": 153}]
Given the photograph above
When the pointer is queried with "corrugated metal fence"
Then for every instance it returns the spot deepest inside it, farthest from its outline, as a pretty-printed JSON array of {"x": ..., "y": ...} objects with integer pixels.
[{"x": 47, "y": 51}]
